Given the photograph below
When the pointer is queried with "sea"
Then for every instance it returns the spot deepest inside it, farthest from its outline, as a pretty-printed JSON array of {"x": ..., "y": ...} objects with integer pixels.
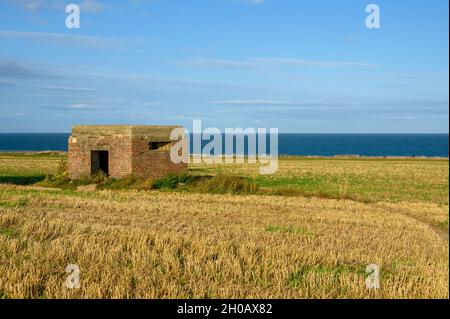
[{"x": 327, "y": 145}]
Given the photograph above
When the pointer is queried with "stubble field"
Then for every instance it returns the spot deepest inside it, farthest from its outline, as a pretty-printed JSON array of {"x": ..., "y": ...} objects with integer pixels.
[{"x": 309, "y": 232}]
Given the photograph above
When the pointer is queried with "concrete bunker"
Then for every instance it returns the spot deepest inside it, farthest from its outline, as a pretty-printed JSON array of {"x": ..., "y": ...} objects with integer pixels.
[{"x": 122, "y": 150}]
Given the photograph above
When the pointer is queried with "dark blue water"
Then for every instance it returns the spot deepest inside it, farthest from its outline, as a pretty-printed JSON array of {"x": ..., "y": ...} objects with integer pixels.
[
  {"x": 10, "y": 142},
  {"x": 430, "y": 145}
]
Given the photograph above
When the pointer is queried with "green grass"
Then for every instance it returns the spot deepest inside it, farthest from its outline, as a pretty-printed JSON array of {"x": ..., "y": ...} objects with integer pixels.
[
  {"x": 174, "y": 180},
  {"x": 361, "y": 179},
  {"x": 297, "y": 277},
  {"x": 27, "y": 168},
  {"x": 443, "y": 225},
  {"x": 228, "y": 184},
  {"x": 56, "y": 181},
  {"x": 219, "y": 184},
  {"x": 21, "y": 180},
  {"x": 22, "y": 202},
  {"x": 315, "y": 186},
  {"x": 125, "y": 183},
  {"x": 8, "y": 232},
  {"x": 358, "y": 188},
  {"x": 50, "y": 154},
  {"x": 304, "y": 181}
]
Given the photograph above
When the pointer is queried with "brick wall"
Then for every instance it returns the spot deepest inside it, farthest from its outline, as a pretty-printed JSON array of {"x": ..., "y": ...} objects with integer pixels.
[
  {"x": 127, "y": 156},
  {"x": 153, "y": 163},
  {"x": 118, "y": 147}
]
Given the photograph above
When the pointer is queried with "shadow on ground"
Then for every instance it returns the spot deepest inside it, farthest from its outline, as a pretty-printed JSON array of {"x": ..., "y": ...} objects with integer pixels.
[{"x": 21, "y": 180}]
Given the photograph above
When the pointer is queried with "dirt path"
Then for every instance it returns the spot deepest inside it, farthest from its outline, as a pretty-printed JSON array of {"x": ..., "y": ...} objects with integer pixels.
[{"x": 443, "y": 234}]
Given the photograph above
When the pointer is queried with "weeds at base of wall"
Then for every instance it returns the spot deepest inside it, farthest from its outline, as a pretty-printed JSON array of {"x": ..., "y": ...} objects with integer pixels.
[
  {"x": 228, "y": 184},
  {"x": 187, "y": 182},
  {"x": 219, "y": 184}
]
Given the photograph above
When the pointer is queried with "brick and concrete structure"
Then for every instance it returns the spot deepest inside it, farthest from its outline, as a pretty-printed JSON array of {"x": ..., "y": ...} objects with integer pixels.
[{"x": 120, "y": 151}]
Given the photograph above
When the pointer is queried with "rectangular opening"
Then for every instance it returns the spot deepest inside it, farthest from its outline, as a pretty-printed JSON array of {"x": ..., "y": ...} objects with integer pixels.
[
  {"x": 99, "y": 162},
  {"x": 154, "y": 146}
]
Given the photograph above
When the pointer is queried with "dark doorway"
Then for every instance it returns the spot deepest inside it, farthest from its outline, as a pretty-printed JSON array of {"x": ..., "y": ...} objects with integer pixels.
[{"x": 99, "y": 162}]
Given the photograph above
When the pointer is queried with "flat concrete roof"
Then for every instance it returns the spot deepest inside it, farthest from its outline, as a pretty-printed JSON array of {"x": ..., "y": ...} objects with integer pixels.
[{"x": 157, "y": 133}]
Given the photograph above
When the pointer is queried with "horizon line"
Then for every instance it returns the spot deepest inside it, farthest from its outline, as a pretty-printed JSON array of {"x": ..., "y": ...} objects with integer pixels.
[{"x": 309, "y": 133}]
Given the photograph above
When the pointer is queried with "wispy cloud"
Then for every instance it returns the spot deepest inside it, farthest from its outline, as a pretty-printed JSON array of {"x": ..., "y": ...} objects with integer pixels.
[
  {"x": 50, "y": 87},
  {"x": 5, "y": 83},
  {"x": 218, "y": 63},
  {"x": 17, "y": 70},
  {"x": 353, "y": 105},
  {"x": 29, "y": 5},
  {"x": 253, "y": 2},
  {"x": 12, "y": 114},
  {"x": 266, "y": 63},
  {"x": 92, "y": 6},
  {"x": 96, "y": 75},
  {"x": 69, "y": 40},
  {"x": 302, "y": 62},
  {"x": 64, "y": 88},
  {"x": 82, "y": 106},
  {"x": 253, "y": 102},
  {"x": 107, "y": 106}
]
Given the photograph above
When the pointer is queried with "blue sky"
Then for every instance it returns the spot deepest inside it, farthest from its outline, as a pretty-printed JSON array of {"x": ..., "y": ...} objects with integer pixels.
[{"x": 300, "y": 66}]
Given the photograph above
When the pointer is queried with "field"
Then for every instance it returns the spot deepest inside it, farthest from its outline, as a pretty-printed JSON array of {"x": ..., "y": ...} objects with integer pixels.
[{"x": 308, "y": 231}]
